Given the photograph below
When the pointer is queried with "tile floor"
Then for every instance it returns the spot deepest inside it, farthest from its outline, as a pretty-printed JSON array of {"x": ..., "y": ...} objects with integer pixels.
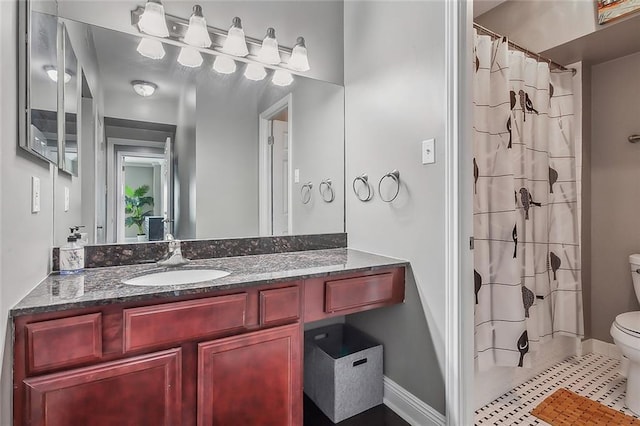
[{"x": 593, "y": 376}]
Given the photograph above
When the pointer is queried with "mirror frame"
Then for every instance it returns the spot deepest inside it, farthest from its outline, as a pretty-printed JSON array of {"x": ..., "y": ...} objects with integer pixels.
[{"x": 24, "y": 82}]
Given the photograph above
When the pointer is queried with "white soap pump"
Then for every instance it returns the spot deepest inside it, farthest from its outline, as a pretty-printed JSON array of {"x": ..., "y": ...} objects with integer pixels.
[{"x": 71, "y": 255}]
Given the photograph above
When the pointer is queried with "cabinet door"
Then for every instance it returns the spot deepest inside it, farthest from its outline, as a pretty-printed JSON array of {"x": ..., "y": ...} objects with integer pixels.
[
  {"x": 144, "y": 390},
  {"x": 252, "y": 379}
]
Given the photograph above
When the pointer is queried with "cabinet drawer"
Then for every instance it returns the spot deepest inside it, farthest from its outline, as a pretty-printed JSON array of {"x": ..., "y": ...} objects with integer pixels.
[
  {"x": 178, "y": 322},
  {"x": 279, "y": 305},
  {"x": 345, "y": 294},
  {"x": 63, "y": 342}
]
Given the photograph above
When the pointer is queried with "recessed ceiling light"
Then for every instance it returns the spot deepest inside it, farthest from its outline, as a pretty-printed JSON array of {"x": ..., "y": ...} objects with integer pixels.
[
  {"x": 52, "y": 72},
  {"x": 144, "y": 88}
]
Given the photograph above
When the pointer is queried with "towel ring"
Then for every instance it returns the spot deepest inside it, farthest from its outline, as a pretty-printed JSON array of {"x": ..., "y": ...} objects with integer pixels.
[
  {"x": 305, "y": 192},
  {"x": 365, "y": 180},
  {"x": 328, "y": 188},
  {"x": 395, "y": 175}
]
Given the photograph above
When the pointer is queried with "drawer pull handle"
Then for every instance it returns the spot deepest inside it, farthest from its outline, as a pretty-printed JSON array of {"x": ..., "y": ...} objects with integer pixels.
[
  {"x": 320, "y": 336},
  {"x": 359, "y": 362}
]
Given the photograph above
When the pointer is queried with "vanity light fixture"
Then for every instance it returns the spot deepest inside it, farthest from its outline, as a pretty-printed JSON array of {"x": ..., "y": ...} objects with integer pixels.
[
  {"x": 269, "y": 53},
  {"x": 224, "y": 65},
  {"x": 255, "y": 72},
  {"x": 235, "y": 44},
  {"x": 144, "y": 88},
  {"x": 197, "y": 33},
  {"x": 299, "y": 60},
  {"x": 189, "y": 57},
  {"x": 152, "y": 21},
  {"x": 282, "y": 78},
  {"x": 52, "y": 73},
  {"x": 150, "y": 48}
]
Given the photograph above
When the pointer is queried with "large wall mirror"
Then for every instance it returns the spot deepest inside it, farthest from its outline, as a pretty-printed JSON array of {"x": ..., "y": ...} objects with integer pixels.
[
  {"x": 159, "y": 147},
  {"x": 39, "y": 61}
]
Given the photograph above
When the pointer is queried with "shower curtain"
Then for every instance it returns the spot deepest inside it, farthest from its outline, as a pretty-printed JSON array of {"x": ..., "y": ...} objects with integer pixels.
[{"x": 527, "y": 245}]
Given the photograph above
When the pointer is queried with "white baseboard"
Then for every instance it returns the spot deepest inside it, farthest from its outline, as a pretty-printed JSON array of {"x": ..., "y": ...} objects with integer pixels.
[
  {"x": 410, "y": 407},
  {"x": 602, "y": 348}
]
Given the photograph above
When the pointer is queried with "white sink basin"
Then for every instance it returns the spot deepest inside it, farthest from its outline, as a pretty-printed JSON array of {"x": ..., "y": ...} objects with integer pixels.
[{"x": 179, "y": 276}]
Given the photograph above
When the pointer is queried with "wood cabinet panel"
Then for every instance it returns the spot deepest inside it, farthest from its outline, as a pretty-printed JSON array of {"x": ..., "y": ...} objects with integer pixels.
[
  {"x": 143, "y": 390},
  {"x": 252, "y": 379},
  {"x": 357, "y": 292},
  {"x": 280, "y": 305},
  {"x": 63, "y": 342},
  {"x": 152, "y": 326},
  {"x": 360, "y": 291}
]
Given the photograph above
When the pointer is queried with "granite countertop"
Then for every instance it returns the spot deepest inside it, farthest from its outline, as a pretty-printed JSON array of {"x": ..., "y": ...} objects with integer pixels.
[{"x": 101, "y": 286}]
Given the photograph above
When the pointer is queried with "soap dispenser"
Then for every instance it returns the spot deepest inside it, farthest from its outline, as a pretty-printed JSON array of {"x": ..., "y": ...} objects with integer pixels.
[
  {"x": 82, "y": 238},
  {"x": 71, "y": 255}
]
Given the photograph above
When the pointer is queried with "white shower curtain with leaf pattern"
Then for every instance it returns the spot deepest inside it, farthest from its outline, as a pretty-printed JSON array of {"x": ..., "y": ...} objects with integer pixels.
[{"x": 527, "y": 245}]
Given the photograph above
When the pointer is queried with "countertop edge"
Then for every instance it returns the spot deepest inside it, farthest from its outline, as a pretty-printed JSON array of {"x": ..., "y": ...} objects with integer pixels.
[{"x": 170, "y": 293}]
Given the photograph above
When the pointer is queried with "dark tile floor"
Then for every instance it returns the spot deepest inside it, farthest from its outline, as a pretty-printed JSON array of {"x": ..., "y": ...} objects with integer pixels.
[{"x": 377, "y": 416}]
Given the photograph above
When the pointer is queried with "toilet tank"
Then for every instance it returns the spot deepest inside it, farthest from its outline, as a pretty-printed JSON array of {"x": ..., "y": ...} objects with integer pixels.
[{"x": 634, "y": 260}]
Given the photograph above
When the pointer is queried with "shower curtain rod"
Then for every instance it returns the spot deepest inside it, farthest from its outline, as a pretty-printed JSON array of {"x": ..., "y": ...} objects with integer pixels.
[{"x": 527, "y": 52}]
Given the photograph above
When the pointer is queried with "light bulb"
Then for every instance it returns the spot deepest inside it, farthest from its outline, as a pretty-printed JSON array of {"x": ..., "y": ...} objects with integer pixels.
[
  {"x": 269, "y": 53},
  {"x": 235, "y": 43},
  {"x": 255, "y": 72},
  {"x": 150, "y": 48},
  {"x": 197, "y": 33},
  {"x": 282, "y": 78},
  {"x": 144, "y": 88},
  {"x": 189, "y": 57},
  {"x": 299, "y": 60},
  {"x": 224, "y": 65},
  {"x": 152, "y": 20}
]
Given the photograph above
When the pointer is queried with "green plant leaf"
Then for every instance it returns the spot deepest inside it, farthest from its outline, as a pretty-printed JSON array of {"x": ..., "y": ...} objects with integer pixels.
[{"x": 135, "y": 200}]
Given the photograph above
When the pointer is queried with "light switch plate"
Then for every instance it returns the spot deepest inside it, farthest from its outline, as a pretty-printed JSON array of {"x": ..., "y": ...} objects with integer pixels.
[
  {"x": 429, "y": 151},
  {"x": 66, "y": 198},
  {"x": 296, "y": 176},
  {"x": 35, "y": 194}
]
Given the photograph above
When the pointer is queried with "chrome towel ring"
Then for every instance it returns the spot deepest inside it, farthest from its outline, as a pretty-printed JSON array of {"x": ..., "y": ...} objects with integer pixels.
[
  {"x": 305, "y": 192},
  {"x": 365, "y": 181},
  {"x": 395, "y": 175},
  {"x": 328, "y": 189}
]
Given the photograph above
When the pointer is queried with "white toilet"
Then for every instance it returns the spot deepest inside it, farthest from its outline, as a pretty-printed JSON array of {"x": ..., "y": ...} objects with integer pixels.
[{"x": 625, "y": 331}]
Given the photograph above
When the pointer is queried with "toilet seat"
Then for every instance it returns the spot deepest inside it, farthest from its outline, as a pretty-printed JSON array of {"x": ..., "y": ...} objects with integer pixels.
[{"x": 629, "y": 323}]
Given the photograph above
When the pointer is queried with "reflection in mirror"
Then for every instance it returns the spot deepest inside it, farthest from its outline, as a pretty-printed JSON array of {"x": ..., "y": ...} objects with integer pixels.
[
  {"x": 216, "y": 155},
  {"x": 42, "y": 96},
  {"x": 70, "y": 100}
]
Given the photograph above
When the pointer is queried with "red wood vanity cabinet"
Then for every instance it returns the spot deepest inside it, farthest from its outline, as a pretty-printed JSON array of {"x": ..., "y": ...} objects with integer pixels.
[{"x": 221, "y": 358}]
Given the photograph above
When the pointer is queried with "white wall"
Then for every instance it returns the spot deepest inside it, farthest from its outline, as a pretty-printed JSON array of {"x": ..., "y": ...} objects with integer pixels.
[
  {"x": 227, "y": 160},
  {"x": 26, "y": 237},
  {"x": 540, "y": 25},
  {"x": 395, "y": 98},
  {"x": 615, "y": 193},
  {"x": 317, "y": 143},
  {"x": 319, "y": 21},
  {"x": 184, "y": 150}
]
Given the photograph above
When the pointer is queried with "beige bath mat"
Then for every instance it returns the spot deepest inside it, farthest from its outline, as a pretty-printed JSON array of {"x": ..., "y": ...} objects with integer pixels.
[{"x": 564, "y": 408}]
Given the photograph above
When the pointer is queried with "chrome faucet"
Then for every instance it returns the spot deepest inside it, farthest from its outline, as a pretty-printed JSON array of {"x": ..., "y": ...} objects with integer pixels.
[{"x": 174, "y": 255}]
